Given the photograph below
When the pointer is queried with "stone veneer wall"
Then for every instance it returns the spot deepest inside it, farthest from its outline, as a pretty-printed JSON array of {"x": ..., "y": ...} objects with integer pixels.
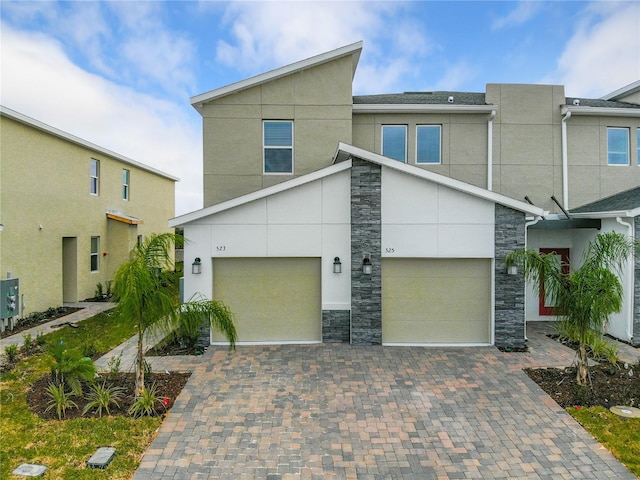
[
  {"x": 636, "y": 300},
  {"x": 366, "y": 237},
  {"x": 509, "y": 289},
  {"x": 335, "y": 326}
]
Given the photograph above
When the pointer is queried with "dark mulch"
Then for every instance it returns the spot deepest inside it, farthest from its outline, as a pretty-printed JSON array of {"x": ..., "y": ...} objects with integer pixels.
[
  {"x": 169, "y": 385},
  {"x": 39, "y": 318}
]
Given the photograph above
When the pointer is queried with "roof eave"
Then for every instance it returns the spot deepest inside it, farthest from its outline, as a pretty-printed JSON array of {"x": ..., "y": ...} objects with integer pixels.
[
  {"x": 608, "y": 214},
  {"x": 422, "y": 108},
  {"x": 353, "y": 49},
  {"x": 601, "y": 111},
  {"x": 624, "y": 91}
]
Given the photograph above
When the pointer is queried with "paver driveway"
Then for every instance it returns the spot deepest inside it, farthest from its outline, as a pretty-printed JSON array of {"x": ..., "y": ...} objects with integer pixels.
[{"x": 347, "y": 412}]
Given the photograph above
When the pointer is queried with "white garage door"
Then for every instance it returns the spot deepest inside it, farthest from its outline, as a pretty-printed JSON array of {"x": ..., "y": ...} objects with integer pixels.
[
  {"x": 274, "y": 300},
  {"x": 433, "y": 301}
]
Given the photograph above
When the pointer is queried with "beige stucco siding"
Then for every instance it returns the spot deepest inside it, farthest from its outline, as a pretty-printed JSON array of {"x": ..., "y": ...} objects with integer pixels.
[
  {"x": 45, "y": 182},
  {"x": 256, "y": 290},
  {"x": 318, "y": 100},
  {"x": 436, "y": 301}
]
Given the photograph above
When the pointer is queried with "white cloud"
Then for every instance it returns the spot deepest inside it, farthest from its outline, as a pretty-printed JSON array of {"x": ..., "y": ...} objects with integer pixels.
[
  {"x": 40, "y": 81},
  {"x": 604, "y": 52},
  {"x": 521, "y": 14}
]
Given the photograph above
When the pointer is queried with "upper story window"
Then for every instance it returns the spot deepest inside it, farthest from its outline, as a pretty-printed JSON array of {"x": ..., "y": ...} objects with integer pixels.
[
  {"x": 125, "y": 184},
  {"x": 94, "y": 177},
  {"x": 394, "y": 142},
  {"x": 638, "y": 144},
  {"x": 95, "y": 254},
  {"x": 428, "y": 141},
  {"x": 278, "y": 146},
  {"x": 617, "y": 146}
]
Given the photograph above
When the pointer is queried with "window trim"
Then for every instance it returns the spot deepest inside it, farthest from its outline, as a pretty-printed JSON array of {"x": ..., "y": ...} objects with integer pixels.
[
  {"x": 94, "y": 180},
  {"x": 628, "y": 153},
  {"x": 95, "y": 254},
  {"x": 126, "y": 184},
  {"x": 638, "y": 144},
  {"x": 266, "y": 147},
  {"x": 405, "y": 127},
  {"x": 439, "y": 126}
]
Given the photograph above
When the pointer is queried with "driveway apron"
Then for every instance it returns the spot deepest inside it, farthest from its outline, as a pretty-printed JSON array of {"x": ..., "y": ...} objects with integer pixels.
[{"x": 350, "y": 412}]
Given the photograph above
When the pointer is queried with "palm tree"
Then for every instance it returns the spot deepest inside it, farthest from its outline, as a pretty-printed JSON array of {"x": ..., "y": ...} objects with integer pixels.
[
  {"x": 147, "y": 299},
  {"x": 586, "y": 297}
]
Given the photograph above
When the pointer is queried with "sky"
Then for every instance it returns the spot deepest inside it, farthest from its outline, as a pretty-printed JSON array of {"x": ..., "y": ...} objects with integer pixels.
[{"x": 120, "y": 74}]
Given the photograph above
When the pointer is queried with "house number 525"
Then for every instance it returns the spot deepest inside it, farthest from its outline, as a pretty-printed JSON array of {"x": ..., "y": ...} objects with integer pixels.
[{"x": 221, "y": 248}]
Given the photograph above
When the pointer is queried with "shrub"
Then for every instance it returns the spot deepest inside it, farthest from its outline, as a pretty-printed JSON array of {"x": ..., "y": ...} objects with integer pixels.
[
  {"x": 102, "y": 398},
  {"x": 147, "y": 404},
  {"x": 89, "y": 348},
  {"x": 11, "y": 351},
  {"x": 99, "y": 290},
  {"x": 27, "y": 343},
  {"x": 114, "y": 366},
  {"x": 60, "y": 399},
  {"x": 69, "y": 367}
]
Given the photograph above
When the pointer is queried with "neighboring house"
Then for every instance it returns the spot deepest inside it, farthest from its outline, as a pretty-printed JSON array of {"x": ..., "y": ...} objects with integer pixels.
[
  {"x": 70, "y": 211},
  {"x": 307, "y": 186}
]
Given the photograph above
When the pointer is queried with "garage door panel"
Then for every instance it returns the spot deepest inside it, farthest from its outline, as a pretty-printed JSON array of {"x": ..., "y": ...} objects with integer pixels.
[
  {"x": 254, "y": 289},
  {"x": 436, "y": 300}
]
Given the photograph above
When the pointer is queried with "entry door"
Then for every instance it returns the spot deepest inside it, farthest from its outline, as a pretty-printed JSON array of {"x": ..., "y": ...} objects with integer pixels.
[
  {"x": 546, "y": 307},
  {"x": 69, "y": 269}
]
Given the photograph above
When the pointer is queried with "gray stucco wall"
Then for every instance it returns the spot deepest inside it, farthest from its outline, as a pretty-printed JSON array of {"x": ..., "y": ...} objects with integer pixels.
[
  {"x": 366, "y": 237},
  {"x": 636, "y": 301},
  {"x": 509, "y": 289}
]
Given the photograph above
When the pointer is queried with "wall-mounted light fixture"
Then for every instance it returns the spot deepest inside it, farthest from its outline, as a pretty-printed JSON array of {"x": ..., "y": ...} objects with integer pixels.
[
  {"x": 512, "y": 270},
  {"x": 366, "y": 264},
  {"x": 337, "y": 265},
  {"x": 196, "y": 266}
]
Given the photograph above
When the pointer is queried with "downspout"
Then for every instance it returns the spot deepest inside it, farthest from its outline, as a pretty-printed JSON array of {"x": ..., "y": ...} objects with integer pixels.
[
  {"x": 629, "y": 297},
  {"x": 526, "y": 241},
  {"x": 565, "y": 161},
  {"x": 490, "y": 150}
]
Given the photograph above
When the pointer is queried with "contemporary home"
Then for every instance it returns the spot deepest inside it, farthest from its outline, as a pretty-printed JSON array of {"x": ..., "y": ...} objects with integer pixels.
[
  {"x": 70, "y": 211},
  {"x": 385, "y": 219}
]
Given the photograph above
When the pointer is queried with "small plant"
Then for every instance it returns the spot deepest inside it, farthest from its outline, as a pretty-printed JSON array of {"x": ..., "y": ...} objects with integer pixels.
[
  {"x": 89, "y": 348},
  {"x": 60, "y": 399},
  {"x": 108, "y": 283},
  {"x": 40, "y": 340},
  {"x": 147, "y": 404},
  {"x": 114, "y": 366},
  {"x": 69, "y": 367},
  {"x": 99, "y": 290},
  {"x": 27, "y": 343},
  {"x": 101, "y": 397},
  {"x": 11, "y": 351}
]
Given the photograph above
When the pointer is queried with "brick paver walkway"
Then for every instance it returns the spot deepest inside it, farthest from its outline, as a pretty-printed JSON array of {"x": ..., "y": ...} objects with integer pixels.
[{"x": 350, "y": 412}]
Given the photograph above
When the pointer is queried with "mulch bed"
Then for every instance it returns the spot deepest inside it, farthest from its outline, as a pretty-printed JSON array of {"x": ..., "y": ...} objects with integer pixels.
[
  {"x": 39, "y": 318},
  {"x": 169, "y": 385}
]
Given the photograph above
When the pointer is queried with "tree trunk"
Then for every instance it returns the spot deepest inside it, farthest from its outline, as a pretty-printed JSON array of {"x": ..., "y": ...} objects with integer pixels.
[
  {"x": 582, "y": 373},
  {"x": 139, "y": 366}
]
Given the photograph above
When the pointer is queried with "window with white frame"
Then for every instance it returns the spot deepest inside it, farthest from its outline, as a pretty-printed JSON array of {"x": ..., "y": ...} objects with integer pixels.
[
  {"x": 94, "y": 177},
  {"x": 638, "y": 144},
  {"x": 278, "y": 146},
  {"x": 617, "y": 146},
  {"x": 95, "y": 254},
  {"x": 428, "y": 142},
  {"x": 394, "y": 142},
  {"x": 125, "y": 184}
]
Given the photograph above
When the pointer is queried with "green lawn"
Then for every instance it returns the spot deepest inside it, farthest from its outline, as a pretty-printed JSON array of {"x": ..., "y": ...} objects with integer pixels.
[
  {"x": 65, "y": 446},
  {"x": 620, "y": 435}
]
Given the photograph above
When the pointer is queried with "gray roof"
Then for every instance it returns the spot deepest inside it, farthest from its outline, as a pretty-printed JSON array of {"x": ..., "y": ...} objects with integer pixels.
[
  {"x": 425, "y": 98},
  {"x": 597, "y": 102},
  {"x": 623, "y": 201}
]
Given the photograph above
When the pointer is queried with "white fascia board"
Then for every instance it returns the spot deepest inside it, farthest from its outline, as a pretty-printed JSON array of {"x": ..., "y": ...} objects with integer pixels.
[
  {"x": 621, "y": 92},
  {"x": 611, "y": 214},
  {"x": 354, "y": 49},
  {"x": 257, "y": 195},
  {"x": 601, "y": 111},
  {"x": 19, "y": 117},
  {"x": 422, "y": 108},
  {"x": 441, "y": 180}
]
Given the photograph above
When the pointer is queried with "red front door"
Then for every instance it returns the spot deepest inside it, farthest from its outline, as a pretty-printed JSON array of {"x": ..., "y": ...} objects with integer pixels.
[{"x": 545, "y": 306}]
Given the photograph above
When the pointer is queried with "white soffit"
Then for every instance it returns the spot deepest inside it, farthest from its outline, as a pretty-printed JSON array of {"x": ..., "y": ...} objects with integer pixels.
[
  {"x": 422, "y": 108},
  {"x": 601, "y": 111},
  {"x": 438, "y": 179},
  {"x": 354, "y": 49}
]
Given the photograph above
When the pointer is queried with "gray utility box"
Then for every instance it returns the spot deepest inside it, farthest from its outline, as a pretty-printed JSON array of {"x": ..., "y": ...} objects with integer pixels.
[{"x": 9, "y": 297}]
